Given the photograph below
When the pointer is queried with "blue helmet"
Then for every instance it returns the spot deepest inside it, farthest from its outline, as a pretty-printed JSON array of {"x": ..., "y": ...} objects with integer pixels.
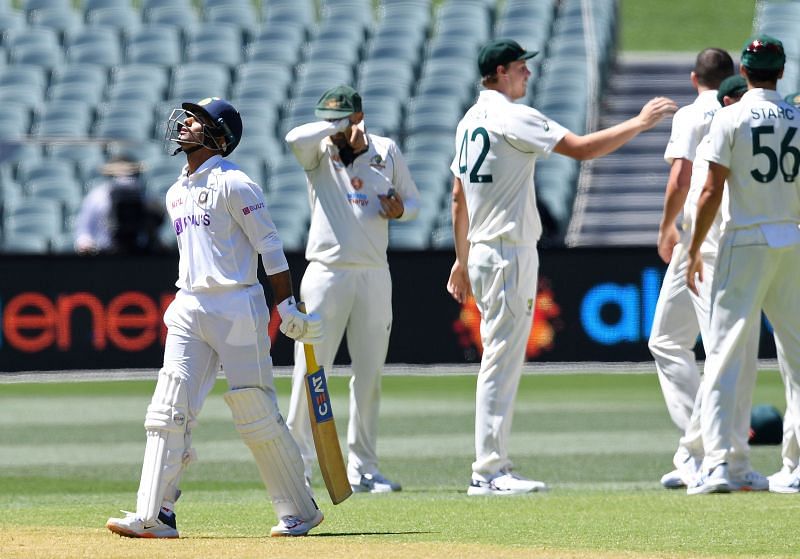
[{"x": 225, "y": 117}]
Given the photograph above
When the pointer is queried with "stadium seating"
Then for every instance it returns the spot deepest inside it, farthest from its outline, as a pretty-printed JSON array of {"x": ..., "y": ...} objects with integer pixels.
[
  {"x": 781, "y": 20},
  {"x": 112, "y": 71}
]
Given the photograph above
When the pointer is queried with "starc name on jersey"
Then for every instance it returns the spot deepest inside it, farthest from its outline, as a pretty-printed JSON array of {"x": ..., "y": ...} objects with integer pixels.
[{"x": 771, "y": 114}]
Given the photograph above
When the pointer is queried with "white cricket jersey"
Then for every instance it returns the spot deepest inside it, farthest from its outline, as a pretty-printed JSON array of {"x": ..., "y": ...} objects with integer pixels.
[
  {"x": 346, "y": 227},
  {"x": 690, "y": 124},
  {"x": 758, "y": 140},
  {"x": 497, "y": 143},
  {"x": 222, "y": 223}
]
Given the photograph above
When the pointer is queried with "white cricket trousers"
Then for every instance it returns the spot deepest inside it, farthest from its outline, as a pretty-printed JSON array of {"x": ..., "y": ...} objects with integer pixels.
[
  {"x": 356, "y": 301},
  {"x": 227, "y": 326},
  {"x": 679, "y": 317},
  {"x": 750, "y": 276},
  {"x": 504, "y": 280}
]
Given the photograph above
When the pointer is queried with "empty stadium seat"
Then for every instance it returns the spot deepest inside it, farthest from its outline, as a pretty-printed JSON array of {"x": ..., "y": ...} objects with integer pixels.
[
  {"x": 25, "y": 243},
  {"x": 125, "y": 20},
  {"x": 61, "y": 20},
  {"x": 34, "y": 216},
  {"x": 94, "y": 45},
  {"x": 196, "y": 80},
  {"x": 64, "y": 189},
  {"x": 173, "y": 15},
  {"x": 32, "y": 5},
  {"x": 242, "y": 16},
  {"x": 154, "y": 44},
  {"x": 88, "y": 5}
]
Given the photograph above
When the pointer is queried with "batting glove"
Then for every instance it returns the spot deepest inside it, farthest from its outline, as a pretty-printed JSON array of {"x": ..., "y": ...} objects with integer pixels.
[{"x": 305, "y": 328}]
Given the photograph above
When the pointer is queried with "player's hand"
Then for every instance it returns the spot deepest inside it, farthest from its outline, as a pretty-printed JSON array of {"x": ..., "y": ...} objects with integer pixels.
[
  {"x": 668, "y": 237},
  {"x": 655, "y": 110},
  {"x": 458, "y": 283},
  {"x": 694, "y": 271},
  {"x": 356, "y": 136},
  {"x": 391, "y": 205},
  {"x": 299, "y": 326}
]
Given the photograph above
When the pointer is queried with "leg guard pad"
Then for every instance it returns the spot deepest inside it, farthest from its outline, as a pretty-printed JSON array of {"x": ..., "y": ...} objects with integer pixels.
[
  {"x": 276, "y": 453},
  {"x": 168, "y": 448}
]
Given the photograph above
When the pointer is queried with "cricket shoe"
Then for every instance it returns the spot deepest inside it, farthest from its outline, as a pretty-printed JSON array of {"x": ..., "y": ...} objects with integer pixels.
[
  {"x": 682, "y": 476},
  {"x": 751, "y": 481},
  {"x": 785, "y": 481},
  {"x": 133, "y": 527},
  {"x": 375, "y": 483},
  {"x": 716, "y": 481},
  {"x": 293, "y": 526},
  {"x": 506, "y": 483}
]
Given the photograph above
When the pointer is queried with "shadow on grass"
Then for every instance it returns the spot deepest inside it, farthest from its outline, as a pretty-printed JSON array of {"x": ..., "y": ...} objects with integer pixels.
[
  {"x": 337, "y": 534},
  {"x": 321, "y": 535}
]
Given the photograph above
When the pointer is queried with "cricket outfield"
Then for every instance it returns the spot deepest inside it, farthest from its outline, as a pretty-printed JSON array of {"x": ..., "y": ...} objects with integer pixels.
[{"x": 70, "y": 454}]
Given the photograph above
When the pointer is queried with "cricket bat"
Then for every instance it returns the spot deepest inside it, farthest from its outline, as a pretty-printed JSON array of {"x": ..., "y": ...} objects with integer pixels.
[{"x": 323, "y": 427}]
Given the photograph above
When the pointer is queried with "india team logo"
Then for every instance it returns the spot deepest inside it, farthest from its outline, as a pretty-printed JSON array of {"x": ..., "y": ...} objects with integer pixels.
[{"x": 357, "y": 183}]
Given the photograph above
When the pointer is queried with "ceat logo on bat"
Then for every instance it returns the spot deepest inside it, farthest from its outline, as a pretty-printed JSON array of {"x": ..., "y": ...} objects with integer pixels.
[{"x": 321, "y": 401}]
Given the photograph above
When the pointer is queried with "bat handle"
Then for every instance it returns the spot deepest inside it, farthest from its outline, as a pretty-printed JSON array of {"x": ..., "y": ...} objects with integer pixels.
[{"x": 308, "y": 349}]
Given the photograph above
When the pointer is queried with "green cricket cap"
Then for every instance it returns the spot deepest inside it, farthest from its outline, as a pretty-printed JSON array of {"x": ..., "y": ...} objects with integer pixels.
[
  {"x": 766, "y": 425},
  {"x": 732, "y": 86},
  {"x": 763, "y": 52},
  {"x": 793, "y": 99},
  {"x": 499, "y": 53},
  {"x": 338, "y": 102}
]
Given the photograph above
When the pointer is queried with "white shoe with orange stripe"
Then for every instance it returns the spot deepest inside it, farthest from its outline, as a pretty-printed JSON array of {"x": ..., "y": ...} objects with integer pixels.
[{"x": 132, "y": 527}]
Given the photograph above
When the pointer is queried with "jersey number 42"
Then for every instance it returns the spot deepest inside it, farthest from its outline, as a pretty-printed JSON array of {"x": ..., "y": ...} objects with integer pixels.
[{"x": 463, "y": 160}]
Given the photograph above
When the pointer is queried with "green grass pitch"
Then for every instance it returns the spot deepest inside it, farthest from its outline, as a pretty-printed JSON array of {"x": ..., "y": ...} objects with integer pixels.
[{"x": 70, "y": 455}]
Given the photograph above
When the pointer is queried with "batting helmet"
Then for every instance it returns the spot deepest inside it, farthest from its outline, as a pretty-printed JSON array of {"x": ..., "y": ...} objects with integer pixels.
[{"x": 224, "y": 116}]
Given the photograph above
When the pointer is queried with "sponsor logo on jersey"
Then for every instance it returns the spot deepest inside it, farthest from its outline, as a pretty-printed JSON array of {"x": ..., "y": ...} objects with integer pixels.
[
  {"x": 248, "y": 209},
  {"x": 377, "y": 162},
  {"x": 203, "y": 198},
  {"x": 358, "y": 199},
  {"x": 176, "y": 203},
  {"x": 357, "y": 183},
  {"x": 183, "y": 223}
]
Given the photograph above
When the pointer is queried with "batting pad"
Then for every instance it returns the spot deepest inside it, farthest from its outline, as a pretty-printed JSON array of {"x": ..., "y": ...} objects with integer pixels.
[
  {"x": 276, "y": 453},
  {"x": 168, "y": 449}
]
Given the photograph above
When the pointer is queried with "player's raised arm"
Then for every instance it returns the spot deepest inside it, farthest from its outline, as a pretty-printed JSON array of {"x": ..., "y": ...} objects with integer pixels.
[{"x": 603, "y": 142}]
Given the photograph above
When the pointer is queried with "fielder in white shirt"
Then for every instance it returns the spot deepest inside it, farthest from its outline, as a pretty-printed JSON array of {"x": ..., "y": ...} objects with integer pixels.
[
  {"x": 220, "y": 317},
  {"x": 755, "y": 146},
  {"x": 357, "y": 183},
  {"x": 496, "y": 227},
  {"x": 680, "y": 315}
]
